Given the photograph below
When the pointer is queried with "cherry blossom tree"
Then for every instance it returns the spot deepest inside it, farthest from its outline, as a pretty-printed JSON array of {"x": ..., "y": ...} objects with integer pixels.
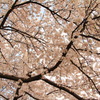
[{"x": 49, "y": 49}]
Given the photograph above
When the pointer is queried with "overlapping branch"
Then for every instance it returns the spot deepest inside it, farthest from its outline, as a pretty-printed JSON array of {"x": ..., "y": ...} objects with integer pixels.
[
  {"x": 59, "y": 62},
  {"x": 86, "y": 75}
]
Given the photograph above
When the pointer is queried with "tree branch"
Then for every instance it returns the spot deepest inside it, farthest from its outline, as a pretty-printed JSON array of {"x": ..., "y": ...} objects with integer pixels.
[
  {"x": 88, "y": 36},
  {"x": 62, "y": 88},
  {"x": 86, "y": 76}
]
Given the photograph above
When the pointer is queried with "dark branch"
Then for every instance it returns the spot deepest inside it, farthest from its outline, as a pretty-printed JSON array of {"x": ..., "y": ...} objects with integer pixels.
[
  {"x": 7, "y": 14},
  {"x": 37, "y": 77},
  {"x": 17, "y": 95},
  {"x": 88, "y": 36},
  {"x": 4, "y": 97},
  {"x": 86, "y": 76},
  {"x": 15, "y": 78},
  {"x": 97, "y": 17},
  {"x": 62, "y": 88}
]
